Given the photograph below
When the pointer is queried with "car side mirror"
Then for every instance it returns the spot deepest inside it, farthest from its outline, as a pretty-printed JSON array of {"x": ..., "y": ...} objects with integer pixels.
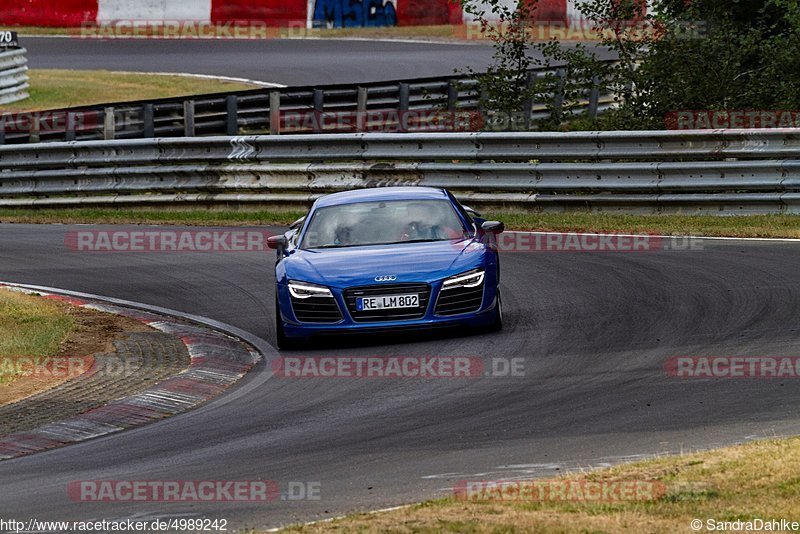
[
  {"x": 278, "y": 242},
  {"x": 493, "y": 227}
]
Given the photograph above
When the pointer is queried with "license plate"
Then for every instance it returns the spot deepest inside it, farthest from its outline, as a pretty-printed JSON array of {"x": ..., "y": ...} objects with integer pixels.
[{"x": 387, "y": 302}]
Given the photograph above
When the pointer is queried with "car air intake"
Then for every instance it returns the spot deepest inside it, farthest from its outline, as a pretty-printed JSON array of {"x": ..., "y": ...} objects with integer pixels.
[
  {"x": 396, "y": 314},
  {"x": 458, "y": 300},
  {"x": 316, "y": 310}
]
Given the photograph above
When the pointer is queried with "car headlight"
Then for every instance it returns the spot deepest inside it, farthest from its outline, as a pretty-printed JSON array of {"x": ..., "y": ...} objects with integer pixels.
[
  {"x": 472, "y": 278},
  {"x": 305, "y": 290}
]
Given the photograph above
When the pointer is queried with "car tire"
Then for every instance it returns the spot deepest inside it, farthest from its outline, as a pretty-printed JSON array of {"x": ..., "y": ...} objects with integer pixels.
[
  {"x": 283, "y": 342},
  {"x": 497, "y": 324}
]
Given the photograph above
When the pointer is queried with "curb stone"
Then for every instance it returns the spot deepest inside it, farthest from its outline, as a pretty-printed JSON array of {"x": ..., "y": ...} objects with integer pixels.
[{"x": 218, "y": 361}]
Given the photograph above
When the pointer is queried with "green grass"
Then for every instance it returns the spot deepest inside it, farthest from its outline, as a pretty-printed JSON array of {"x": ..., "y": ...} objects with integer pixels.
[
  {"x": 756, "y": 480},
  {"x": 29, "y": 326},
  {"x": 150, "y": 216},
  {"x": 786, "y": 226},
  {"x": 699, "y": 225},
  {"x": 52, "y": 88}
]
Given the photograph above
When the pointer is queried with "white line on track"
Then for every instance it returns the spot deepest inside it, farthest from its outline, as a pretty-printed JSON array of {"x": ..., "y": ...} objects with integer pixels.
[
  {"x": 206, "y": 77},
  {"x": 764, "y": 239},
  {"x": 331, "y": 519}
]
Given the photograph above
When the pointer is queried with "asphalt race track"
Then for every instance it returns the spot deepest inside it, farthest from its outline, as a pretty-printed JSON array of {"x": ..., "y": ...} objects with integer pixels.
[
  {"x": 288, "y": 62},
  {"x": 594, "y": 330},
  {"x": 282, "y": 61}
]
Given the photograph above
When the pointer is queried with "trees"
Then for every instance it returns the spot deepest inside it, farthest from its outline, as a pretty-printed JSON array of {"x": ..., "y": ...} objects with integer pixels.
[
  {"x": 692, "y": 55},
  {"x": 745, "y": 57}
]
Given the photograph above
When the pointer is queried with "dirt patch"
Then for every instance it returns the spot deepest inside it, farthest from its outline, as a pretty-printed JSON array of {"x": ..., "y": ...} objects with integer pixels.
[{"x": 94, "y": 332}]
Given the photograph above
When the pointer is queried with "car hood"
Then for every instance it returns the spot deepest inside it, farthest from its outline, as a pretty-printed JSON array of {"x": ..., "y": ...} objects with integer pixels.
[{"x": 409, "y": 262}]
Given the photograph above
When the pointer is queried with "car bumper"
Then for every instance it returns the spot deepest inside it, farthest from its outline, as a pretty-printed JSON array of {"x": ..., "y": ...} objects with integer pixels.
[{"x": 485, "y": 316}]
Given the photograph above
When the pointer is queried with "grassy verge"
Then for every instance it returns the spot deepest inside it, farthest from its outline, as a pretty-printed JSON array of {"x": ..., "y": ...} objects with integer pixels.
[
  {"x": 150, "y": 216},
  {"x": 787, "y": 226},
  {"x": 753, "y": 481},
  {"x": 53, "y": 88},
  {"x": 29, "y": 326},
  {"x": 698, "y": 225}
]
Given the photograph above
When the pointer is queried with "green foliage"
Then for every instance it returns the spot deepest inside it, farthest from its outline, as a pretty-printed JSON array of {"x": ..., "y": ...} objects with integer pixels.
[
  {"x": 504, "y": 86},
  {"x": 745, "y": 57},
  {"x": 679, "y": 55}
]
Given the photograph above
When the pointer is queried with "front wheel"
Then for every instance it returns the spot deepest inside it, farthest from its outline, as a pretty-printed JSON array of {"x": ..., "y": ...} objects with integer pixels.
[
  {"x": 283, "y": 342},
  {"x": 497, "y": 324}
]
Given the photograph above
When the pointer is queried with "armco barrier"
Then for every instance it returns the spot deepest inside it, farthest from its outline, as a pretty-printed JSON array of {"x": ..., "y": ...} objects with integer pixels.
[
  {"x": 716, "y": 172},
  {"x": 270, "y": 110},
  {"x": 13, "y": 76}
]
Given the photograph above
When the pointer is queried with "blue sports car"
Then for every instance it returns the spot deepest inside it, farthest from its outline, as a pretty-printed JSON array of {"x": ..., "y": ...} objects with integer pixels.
[{"x": 383, "y": 260}]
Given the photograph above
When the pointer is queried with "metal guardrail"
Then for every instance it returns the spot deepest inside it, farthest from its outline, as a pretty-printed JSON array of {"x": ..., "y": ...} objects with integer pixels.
[
  {"x": 13, "y": 76},
  {"x": 296, "y": 110},
  {"x": 704, "y": 171}
]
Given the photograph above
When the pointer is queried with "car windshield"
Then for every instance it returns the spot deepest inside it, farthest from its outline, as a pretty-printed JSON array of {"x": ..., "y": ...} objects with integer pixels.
[{"x": 383, "y": 223}]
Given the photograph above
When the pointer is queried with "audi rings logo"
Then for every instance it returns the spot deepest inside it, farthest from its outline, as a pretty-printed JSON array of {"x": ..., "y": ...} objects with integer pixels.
[{"x": 387, "y": 278}]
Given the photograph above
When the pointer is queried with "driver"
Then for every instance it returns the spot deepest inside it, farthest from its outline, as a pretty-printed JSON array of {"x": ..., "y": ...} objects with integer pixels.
[
  {"x": 426, "y": 223},
  {"x": 345, "y": 227},
  {"x": 418, "y": 226}
]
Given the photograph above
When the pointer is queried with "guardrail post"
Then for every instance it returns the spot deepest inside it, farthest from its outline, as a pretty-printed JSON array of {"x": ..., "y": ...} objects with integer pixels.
[
  {"x": 149, "y": 121},
  {"x": 319, "y": 99},
  {"x": 483, "y": 98},
  {"x": 274, "y": 112},
  {"x": 319, "y": 105},
  {"x": 530, "y": 83},
  {"x": 231, "y": 115},
  {"x": 362, "y": 97},
  {"x": 36, "y": 129},
  {"x": 594, "y": 98},
  {"x": 452, "y": 96},
  {"x": 109, "y": 124},
  {"x": 188, "y": 118},
  {"x": 69, "y": 134},
  {"x": 404, "y": 91},
  {"x": 558, "y": 101},
  {"x": 404, "y": 96}
]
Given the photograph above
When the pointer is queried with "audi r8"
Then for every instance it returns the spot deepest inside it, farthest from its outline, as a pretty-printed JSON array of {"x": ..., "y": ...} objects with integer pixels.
[{"x": 386, "y": 259}]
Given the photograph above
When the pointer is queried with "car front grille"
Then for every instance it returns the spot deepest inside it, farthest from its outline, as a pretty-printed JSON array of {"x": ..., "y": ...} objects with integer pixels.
[
  {"x": 316, "y": 310},
  {"x": 400, "y": 314},
  {"x": 459, "y": 300}
]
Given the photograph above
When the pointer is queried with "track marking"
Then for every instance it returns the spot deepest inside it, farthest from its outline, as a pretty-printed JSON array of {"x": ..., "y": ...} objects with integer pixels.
[
  {"x": 331, "y": 519},
  {"x": 718, "y": 238},
  {"x": 206, "y": 77}
]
